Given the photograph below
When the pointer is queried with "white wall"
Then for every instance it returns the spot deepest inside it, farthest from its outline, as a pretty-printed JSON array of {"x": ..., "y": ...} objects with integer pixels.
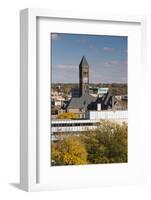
[
  {"x": 109, "y": 115},
  {"x": 9, "y": 97}
]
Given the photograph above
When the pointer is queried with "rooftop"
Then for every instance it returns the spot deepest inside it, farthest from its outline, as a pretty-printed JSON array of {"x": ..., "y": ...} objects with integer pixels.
[
  {"x": 83, "y": 62},
  {"x": 81, "y": 102}
]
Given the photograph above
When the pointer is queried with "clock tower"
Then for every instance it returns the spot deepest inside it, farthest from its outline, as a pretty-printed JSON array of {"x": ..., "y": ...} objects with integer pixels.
[{"x": 83, "y": 77}]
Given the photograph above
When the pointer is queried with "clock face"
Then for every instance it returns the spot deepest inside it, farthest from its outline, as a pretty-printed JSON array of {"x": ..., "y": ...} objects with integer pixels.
[{"x": 85, "y": 80}]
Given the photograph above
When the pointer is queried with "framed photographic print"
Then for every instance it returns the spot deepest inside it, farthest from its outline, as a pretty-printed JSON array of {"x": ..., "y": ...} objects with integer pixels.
[{"x": 81, "y": 80}]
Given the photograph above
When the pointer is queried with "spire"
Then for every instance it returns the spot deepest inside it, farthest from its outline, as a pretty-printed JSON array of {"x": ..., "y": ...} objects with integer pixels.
[
  {"x": 84, "y": 77},
  {"x": 83, "y": 62}
]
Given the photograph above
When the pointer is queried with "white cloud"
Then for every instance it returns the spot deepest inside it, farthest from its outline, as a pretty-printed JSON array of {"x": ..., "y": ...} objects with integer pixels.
[
  {"x": 62, "y": 66},
  {"x": 104, "y": 72},
  {"x": 108, "y": 49},
  {"x": 113, "y": 63}
]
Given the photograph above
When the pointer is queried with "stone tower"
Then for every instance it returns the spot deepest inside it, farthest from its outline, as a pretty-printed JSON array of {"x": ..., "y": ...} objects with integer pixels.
[{"x": 83, "y": 77}]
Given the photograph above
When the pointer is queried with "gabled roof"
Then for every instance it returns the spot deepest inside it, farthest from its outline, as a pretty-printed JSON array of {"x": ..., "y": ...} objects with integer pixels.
[
  {"x": 89, "y": 102},
  {"x": 81, "y": 102},
  {"x": 83, "y": 62}
]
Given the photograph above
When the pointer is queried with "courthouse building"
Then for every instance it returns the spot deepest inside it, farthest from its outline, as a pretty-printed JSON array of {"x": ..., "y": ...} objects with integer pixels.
[{"x": 83, "y": 101}]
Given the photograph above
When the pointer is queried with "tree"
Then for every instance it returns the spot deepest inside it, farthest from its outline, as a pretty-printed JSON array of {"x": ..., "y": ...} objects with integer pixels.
[
  {"x": 107, "y": 144},
  {"x": 69, "y": 151},
  {"x": 68, "y": 115}
]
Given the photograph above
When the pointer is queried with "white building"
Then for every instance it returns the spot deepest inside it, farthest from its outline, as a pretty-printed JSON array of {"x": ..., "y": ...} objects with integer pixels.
[
  {"x": 90, "y": 123},
  {"x": 72, "y": 125},
  {"x": 103, "y": 90},
  {"x": 108, "y": 115}
]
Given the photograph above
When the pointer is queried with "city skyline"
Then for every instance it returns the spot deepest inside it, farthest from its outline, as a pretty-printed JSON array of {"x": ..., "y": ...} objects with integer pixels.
[{"x": 106, "y": 56}]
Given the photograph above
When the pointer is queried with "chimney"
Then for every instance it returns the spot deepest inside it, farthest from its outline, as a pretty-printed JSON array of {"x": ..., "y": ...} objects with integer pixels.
[
  {"x": 113, "y": 102},
  {"x": 99, "y": 107}
]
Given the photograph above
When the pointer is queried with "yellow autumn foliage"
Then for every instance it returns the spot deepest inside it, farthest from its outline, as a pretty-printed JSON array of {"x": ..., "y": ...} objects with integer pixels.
[
  {"x": 70, "y": 151},
  {"x": 68, "y": 115},
  {"x": 108, "y": 143}
]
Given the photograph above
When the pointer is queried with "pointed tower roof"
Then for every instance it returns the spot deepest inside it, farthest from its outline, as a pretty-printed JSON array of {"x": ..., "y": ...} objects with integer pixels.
[{"x": 83, "y": 62}]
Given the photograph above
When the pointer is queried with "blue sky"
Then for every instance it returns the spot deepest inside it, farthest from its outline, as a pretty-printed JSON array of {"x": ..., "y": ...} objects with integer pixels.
[{"x": 106, "y": 55}]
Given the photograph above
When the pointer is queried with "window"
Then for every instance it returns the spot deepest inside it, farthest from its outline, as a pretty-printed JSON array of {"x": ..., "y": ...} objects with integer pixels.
[{"x": 85, "y": 73}]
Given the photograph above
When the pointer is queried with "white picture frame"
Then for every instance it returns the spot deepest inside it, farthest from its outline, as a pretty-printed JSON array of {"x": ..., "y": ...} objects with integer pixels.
[{"x": 29, "y": 113}]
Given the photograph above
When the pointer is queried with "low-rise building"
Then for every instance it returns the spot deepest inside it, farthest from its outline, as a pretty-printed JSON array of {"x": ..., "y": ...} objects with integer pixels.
[
  {"x": 121, "y": 115},
  {"x": 89, "y": 123},
  {"x": 103, "y": 90}
]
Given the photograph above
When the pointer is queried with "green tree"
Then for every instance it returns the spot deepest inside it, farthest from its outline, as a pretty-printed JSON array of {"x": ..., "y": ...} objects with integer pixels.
[{"x": 107, "y": 144}]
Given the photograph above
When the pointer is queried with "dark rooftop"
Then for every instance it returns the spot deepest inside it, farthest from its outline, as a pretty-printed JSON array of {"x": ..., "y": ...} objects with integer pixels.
[
  {"x": 81, "y": 102},
  {"x": 83, "y": 62}
]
